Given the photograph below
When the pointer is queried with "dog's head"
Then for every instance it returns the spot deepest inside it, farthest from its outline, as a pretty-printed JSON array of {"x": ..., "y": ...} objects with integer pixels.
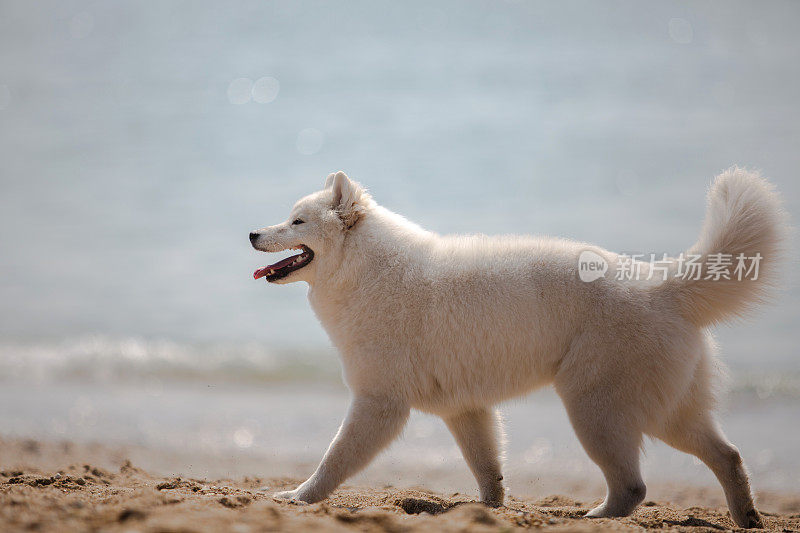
[{"x": 316, "y": 225}]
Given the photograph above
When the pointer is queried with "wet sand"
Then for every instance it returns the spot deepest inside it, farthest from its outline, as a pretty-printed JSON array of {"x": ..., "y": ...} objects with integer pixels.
[{"x": 50, "y": 486}]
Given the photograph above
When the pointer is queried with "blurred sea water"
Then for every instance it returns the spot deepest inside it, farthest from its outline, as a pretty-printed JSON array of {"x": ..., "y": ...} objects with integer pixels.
[{"x": 139, "y": 146}]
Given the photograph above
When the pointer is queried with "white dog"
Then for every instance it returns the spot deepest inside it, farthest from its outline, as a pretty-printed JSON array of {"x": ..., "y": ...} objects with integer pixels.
[{"x": 452, "y": 325}]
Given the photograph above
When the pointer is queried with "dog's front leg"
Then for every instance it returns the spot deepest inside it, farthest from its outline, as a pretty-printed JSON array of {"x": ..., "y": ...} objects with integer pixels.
[
  {"x": 372, "y": 422},
  {"x": 478, "y": 434}
]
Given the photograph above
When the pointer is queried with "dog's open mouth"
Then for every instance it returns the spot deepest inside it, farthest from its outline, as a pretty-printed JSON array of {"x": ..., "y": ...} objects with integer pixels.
[{"x": 284, "y": 267}]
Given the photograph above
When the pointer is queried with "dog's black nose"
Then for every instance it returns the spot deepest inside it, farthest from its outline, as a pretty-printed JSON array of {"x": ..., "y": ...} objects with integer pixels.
[{"x": 253, "y": 237}]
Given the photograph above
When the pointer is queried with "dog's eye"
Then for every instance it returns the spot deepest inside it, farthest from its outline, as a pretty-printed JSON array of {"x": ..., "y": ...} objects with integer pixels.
[{"x": 297, "y": 221}]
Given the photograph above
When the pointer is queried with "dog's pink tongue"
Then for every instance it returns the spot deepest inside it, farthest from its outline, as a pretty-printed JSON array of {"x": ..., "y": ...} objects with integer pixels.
[{"x": 260, "y": 273}]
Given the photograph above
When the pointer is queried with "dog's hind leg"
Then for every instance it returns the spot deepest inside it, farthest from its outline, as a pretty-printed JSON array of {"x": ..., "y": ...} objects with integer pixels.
[
  {"x": 370, "y": 425},
  {"x": 478, "y": 434},
  {"x": 699, "y": 434},
  {"x": 616, "y": 451},
  {"x": 608, "y": 438}
]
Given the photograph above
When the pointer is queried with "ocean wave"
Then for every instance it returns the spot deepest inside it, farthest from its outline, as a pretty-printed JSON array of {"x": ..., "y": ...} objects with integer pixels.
[{"x": 102, "y": 358}]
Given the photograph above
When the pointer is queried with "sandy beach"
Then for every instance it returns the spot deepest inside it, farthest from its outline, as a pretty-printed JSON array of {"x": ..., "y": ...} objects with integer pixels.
[
  {"x": 60, "y": 486},
  {"x": 149, "y": 384}
]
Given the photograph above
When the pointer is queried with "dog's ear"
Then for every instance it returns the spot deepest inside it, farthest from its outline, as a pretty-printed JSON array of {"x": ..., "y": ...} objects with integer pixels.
[
  {"x": 348, "y": 198},
  {"x": 329, "y": 180}
]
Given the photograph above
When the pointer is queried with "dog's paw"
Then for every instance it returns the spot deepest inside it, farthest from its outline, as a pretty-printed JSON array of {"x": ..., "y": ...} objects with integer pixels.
[
  {"x": 492, "y": 503},
  {"x": 290, "y": 495},
  {"x": 752, "y": 520},
  {"x": 296, "y": 496},
  {"x": 494, "y": 495}
]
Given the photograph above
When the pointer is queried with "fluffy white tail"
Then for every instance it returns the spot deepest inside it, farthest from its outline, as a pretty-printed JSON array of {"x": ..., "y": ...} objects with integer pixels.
[{"x": 744, "y": 219}]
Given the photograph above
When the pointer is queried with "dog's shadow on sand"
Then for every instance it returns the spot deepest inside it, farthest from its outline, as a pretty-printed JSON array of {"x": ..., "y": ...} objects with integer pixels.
[{"x": 694, "y": 522}]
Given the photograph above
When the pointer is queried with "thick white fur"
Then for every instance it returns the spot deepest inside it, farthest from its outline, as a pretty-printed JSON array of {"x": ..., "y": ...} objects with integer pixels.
[{"x": 452, "y": 325}]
